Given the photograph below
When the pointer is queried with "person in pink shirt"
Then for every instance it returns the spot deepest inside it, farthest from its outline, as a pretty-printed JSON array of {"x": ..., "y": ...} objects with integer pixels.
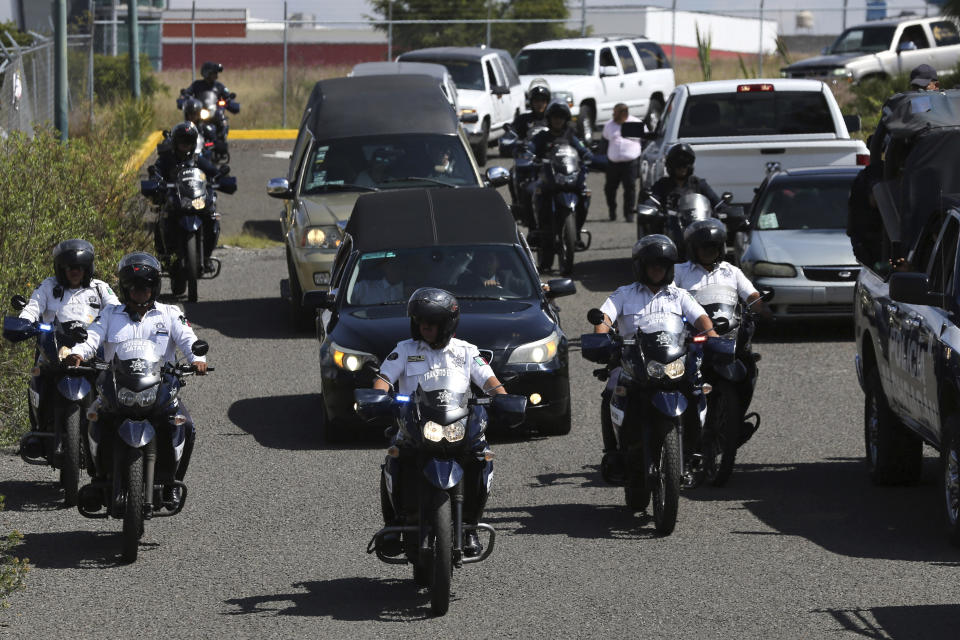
[{"x": 622, "y": 154}]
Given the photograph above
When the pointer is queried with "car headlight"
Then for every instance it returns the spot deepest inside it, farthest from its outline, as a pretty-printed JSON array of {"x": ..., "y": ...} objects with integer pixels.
[
  {"x": 432, "y": 431},
  {"x": 565, "y": 96},
  {"x": 774, "y": 270},
  {"x": 840, "y": 71},
  {"x": 349, "y": 359},
  {"x": 672, "y": 370},
  {"x": 326, "y": 237},
  {"x": 126, "y": 397},
  {"x": 536, "y": 352}
]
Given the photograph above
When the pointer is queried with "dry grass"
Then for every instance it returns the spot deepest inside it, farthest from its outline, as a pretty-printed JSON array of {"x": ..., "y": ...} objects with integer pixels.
[{"x": 688, "y": 69}]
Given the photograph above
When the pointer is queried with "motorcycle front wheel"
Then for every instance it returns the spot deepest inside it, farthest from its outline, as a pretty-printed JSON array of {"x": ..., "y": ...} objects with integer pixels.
[
  {"x": 68, "y": 424},
  {"x": 442, "y": 546},
  {"x": 568, "y": 244},
  {"x": 133, "y": 507},
  {"x": 192, "y": 262},
  {"x": 665, "y": 483},
  {"x": 724, "y": 418}
]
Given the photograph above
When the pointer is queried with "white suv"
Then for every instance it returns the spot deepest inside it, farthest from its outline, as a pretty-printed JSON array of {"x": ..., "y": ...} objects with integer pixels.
[{"x": 594, "y": 74}]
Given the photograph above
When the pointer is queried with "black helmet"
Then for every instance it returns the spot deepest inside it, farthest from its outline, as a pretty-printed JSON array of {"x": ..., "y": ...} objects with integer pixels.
[
  {"x": 539, "y": 92},
  {"x": 557, "y": 109},
  {"x": 654, "y": 249},
  {"x": 208, "y": 68},
  {"x": 69, "y": 253},
  {"x": 680, "y": 155},
  {"x": 434, "y": 306},
  {"x": 703, "y": 233},
  {"x": 139, "y": 268},
  {"x": 191, "y": 107},
  {"x": 185, "y": 133}
]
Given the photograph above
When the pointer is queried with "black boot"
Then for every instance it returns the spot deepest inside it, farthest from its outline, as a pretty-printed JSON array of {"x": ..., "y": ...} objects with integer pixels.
[
  {"x": 391, "y": 544},
  {"x": 471, "y": 544}
]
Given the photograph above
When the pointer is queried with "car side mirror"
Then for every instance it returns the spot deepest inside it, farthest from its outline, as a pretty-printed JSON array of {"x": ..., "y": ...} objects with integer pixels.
[
  {"x": 913, "y": 288},
  {"x": 18, "y": 302},
  {"x": 632, "y": 129},
  {"x": 853, "y": 123},
  {"x": 609, "y": 71},
  {"x": 909, "y": 45},
  {"x": 560, "y": 287},
  {"x": 469, "y": 117},
  {"x": 279, "y": 188},
  {"x": 317, "y": 299},
  {"x": 497, "y": 176},
  {"x": 200, "y": 348},
  {"x": 500, "y": 90},
  {"x": 595, "y": 316}
]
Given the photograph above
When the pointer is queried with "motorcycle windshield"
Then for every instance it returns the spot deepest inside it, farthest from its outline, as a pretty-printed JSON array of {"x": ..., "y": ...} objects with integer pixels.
[
  {"x": 191, "y": 184},
  {"x": 694, "y": 206},
  {"x": 661, "y": 336},
  {"x": 719, "y": 301},
  {"x": 209, "y": 100},
  {"x": 442, "y": 395},
  {"x": 136, "y": 364},
  {"x": 565, "y": 160},
  {"x": 535, "y": 129}
]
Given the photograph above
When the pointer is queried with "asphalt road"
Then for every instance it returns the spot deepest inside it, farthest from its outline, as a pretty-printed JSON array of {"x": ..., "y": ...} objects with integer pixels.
[{"x": 271, "y": 543}]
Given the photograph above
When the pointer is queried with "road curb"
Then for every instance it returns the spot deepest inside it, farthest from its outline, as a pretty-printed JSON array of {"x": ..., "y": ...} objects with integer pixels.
[{"x": 145, "y": 150}]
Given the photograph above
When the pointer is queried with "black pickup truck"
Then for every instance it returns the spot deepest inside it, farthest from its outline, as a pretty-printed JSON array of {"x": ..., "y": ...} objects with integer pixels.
[{"x": 906, "y": 322}]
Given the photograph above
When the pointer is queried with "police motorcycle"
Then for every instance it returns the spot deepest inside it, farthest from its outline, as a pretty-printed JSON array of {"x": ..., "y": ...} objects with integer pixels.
[
  {"x": 214, "y": 123},
  {"x": 185, "y": 207},
  {"x": 442, "y": 428},
  {"x": 136, "y": 439},
  {"x": 58, "y": 395},
  {"x": 730, "y": 374},
  {"x": 524, "y": 171},
  {"x": 560, "y": 177},
  {"x": 654, "y": 216},
  {"x": 657, "y": 382}
]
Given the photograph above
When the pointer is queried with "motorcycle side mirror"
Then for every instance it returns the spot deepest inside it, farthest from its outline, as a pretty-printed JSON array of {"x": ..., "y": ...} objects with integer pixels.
[
  {"x": 508, "y": 410},
  {"x": 18, "y": 302},
  {"x": 595, "y": 316},
  {"x": 18, "y": 329},
  {"x": 497, "y": 176},
  {"x": 648, "y": 211},
  {"x": 766, "y": 294},
  {"x": 727, "y": 197},
  {"x": 373, "y": 405},
  {"x": 200, "y": 348},
  {"x": 721, "y": 325}
]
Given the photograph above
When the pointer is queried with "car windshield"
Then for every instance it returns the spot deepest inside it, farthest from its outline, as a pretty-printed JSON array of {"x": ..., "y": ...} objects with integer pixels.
[
  {"x": 495, "y": 272},
  {"x": 756, "y": 113},
  {"x": 387, "y": 162},
  {"x": 466, "y": 74},
  {"x": 558, "y": 62},
  {"x": 864, "y": 40},
  {"x": 819, "y": 203}
]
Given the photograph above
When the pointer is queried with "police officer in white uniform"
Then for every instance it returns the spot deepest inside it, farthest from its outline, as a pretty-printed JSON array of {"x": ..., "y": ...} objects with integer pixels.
[
  {"x": 434, "y": 314},
  {"x": 654, "y": 258},
  {"x": 705, "y": 247},
  {"x": 141, "y": 316},
  {"x": 72, "y": 291}
]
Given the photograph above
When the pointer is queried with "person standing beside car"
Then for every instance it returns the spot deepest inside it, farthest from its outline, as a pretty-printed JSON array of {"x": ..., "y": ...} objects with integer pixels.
[{"x": 622, "y": 156}]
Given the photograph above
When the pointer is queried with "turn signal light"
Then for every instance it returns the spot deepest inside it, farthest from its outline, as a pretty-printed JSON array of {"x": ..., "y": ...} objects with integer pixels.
[
  {"x": 92, "y": 415},
  {"x": 707, "y": 387},
  {"x": 488, "y": 456},
  {"x": 394, "y": 451}
]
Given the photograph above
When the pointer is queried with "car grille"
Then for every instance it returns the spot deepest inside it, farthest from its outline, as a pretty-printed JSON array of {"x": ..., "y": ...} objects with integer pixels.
[
  {"x": 832, "y": 274},
  {"x": 487, "y": 355},
  {"x": 820, "y": 309}
]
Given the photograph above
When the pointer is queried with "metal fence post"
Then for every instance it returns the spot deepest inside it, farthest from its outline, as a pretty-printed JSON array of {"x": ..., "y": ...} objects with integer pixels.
[
  {"x": 390, "y": 30},
  {"x": 90, "y": 89},
  {"x": 285, "y": 27},
  {"x": 673, "y": 35},
  {"x": 760, "y": 50},
  {"x": 583, "y": 18},
  {"x": 60, "y": 65},
  {"x": 133, "y": 38},
  {"x": 113, "y": 13},
  {"x": 193, "y": 39},
  {"x": 489, "y": 11},
  {"x": 844, "y": 15}
]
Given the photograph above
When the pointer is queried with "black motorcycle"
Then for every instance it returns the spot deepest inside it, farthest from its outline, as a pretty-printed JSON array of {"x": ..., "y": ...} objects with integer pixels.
[
  {"x": 185, "y": 209},
  {"x": 58, "y": 398},
  {"x": 730, "y": 369},
  {"x": 214, "y": 124},
  {"x": 442, "y": 428},
  {"x": 672, "y": 219},
  {"x": 523, "y": 173},
  {"x": 136, "y": 439},
  {"x": 564, "y": 194},
  {"x": 656, "y": 383}
]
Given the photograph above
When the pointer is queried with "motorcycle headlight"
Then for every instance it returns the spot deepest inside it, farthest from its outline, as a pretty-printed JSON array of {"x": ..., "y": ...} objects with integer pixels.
[
  {"x": 126, "y": 397},
  {"x": 327, "y": 237},
  {"x": 432, "y": 431},
  {"x": 204, "y": 114},
  {"x": 349, "y": 359},
  {"x": 455, "y": 432},
  {"x": 675, "y": 369},
  {"x": 199, "y": 203},
  {"x": 536, "y": 352},
  {"x": 148, "y": 396},
  {"x": 655, "y": 369}
]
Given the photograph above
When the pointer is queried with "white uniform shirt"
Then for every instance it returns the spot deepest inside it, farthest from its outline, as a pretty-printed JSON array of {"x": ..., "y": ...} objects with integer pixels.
[
  {"x": 84, "y": 303},
  {"x": 412, "y": 359},
  {"x": 164, "y": 325},
  {"x": 621, "y": 149},
  {"x": 629, "y": 303},
  {"x": 692, "y": 276}
]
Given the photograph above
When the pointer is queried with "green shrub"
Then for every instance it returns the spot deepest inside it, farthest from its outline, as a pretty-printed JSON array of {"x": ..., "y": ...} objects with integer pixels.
[
  {"x": 111, "y": 77},
  {"x": 13, "y": 570},
  {"x": 51, "y": 192}
]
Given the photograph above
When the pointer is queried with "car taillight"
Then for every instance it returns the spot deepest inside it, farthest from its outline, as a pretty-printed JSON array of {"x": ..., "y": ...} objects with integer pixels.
[
  {"x": 751, "y": 88},
  {"x": 863, "y": 159}
]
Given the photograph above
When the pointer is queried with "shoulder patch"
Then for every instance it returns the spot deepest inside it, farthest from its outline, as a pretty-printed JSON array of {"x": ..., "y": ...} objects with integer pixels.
[
  {"x": 393, "y": 356},
  {"x": 480, "y": 361},
  {"x": 415, "y": 358},
  {"x": 183, "y": 320}
]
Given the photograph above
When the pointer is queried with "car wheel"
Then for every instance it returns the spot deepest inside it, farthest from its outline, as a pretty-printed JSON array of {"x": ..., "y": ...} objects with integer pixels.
[
  {"x": 480, "y": 149},
  {"x": 301, "y": 318},
  {"x": 894, "y": 453},
  {"x": 950, "y": 468}
]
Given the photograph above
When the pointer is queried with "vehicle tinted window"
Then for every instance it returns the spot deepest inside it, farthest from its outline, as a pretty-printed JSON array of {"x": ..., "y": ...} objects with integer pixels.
[
  {"x": 651, "y": 55},
  {"x": 493, "y": 78},
  {"x": 626, "y": 60},
  {"x": 864, "y": 40},
  {"x": 945, "y": 33},
  {"x": 755, "y": 114},
  {"x": 819, "y": 203},
  {"x": 606, "y": 58},
  {"x": 915, "y": 35},
  {"x": 469, "y": 272},
  {"x": 386, "y": 162},
  {"x": 942, "y": 265},
  {"x": 559, "y": 62},
  {"x": 467, "y": 74}
]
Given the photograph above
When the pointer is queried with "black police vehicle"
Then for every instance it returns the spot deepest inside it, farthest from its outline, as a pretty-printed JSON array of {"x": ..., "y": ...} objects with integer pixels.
[{"x": 462, "y": 240}]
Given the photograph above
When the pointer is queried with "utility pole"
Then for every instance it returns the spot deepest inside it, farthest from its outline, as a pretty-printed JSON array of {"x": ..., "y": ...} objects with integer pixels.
[
  {"x": 61, "y": 121},
  {"x": 673, "y": 36},
  {"x": 760, "y": 50},
  {"x": 844, "y": 15},
  {"x": 113, "y": 29},
  {"x": 583, "y": 18},
  {"x": 390, "y": 30},
  {"x": 285, "y": 25},
  {"x": 133, "y": 38}
]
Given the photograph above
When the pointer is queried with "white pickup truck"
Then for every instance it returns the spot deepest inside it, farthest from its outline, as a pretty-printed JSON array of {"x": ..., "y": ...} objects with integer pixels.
[{"x": 743, "y": 129}]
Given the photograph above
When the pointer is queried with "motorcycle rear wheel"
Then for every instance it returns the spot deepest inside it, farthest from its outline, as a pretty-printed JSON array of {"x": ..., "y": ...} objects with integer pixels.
[
  {"x": 724, "y": 418},
  {"x": 68, "y": 421},
  {"x": 133, "y": 509},
  {"x": 191, "y": 263},
  {"x": 665, "y": 483},
  {"x": 442, "y": 562}
]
